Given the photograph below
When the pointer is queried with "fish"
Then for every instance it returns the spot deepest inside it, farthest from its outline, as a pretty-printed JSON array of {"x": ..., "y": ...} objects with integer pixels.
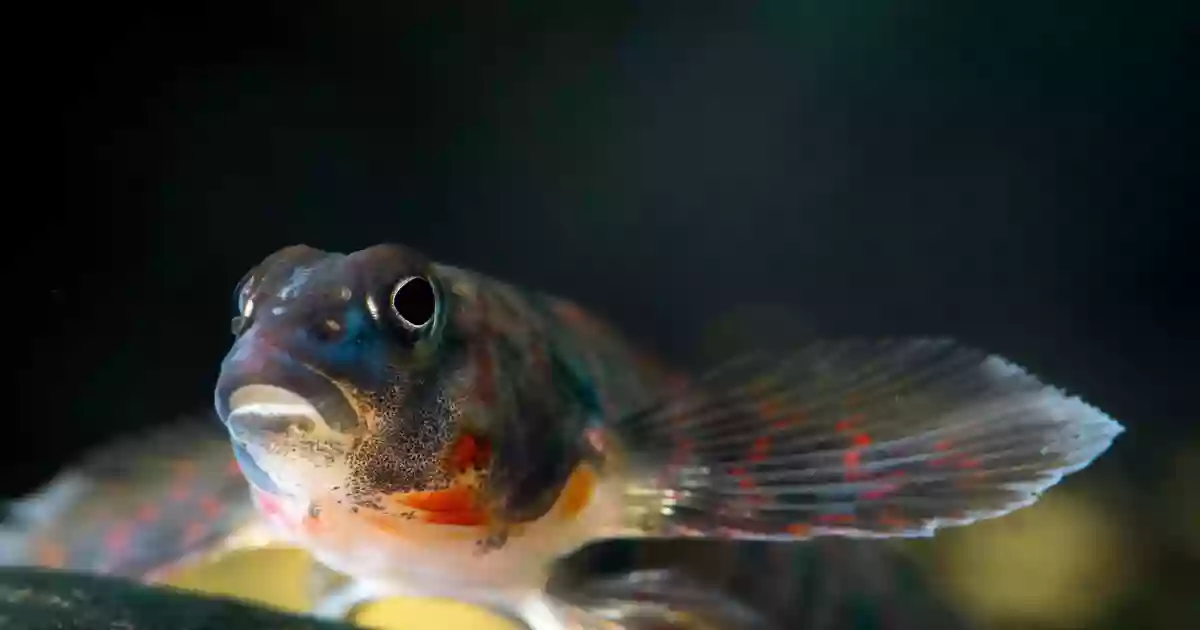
[
  {"x": 426, "y": 428},
  {"x": 143, "y": 506}
]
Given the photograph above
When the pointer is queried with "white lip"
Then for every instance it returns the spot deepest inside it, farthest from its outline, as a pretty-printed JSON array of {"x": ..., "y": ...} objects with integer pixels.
[{"x": 271, "y": 402}]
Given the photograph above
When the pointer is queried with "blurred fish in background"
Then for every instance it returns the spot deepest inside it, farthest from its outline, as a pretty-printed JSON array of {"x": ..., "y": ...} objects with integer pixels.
[{"x": 141, "y": 506}]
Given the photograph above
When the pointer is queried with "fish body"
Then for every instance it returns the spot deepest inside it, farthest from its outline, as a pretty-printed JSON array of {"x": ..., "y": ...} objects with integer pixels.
[{"x": 420, "y": 426}]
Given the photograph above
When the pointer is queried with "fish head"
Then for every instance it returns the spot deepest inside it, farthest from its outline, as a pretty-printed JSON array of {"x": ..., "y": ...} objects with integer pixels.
[{"x": 343, "y": 384}]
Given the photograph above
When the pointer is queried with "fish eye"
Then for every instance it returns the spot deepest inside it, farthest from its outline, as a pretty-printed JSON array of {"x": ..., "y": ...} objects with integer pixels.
[
  {"x": 414, "y": 302},
  {"x": 243, "y": 303}
]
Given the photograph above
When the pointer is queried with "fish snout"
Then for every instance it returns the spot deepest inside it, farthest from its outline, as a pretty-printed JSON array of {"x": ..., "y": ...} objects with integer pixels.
[{"x": 262, "y": 392}]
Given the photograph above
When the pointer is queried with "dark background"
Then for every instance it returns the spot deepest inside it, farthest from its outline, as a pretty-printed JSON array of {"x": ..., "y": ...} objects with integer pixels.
[{"x": 1020, "y": 174}]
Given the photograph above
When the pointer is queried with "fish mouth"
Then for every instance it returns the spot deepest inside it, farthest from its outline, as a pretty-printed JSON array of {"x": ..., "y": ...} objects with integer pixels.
[
  {"x": 263, "y": 394},
  {"x": 262, "y": 411}
]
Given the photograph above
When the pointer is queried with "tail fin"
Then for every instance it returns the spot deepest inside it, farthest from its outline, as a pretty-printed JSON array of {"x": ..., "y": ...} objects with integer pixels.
[
  {"x": 134, "y": 506},
  {"x": 681, "y": 584},
  {"x": 855, "y": 438}
]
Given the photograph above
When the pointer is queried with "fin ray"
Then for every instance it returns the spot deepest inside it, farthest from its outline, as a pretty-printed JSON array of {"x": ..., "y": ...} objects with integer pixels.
[{"x": 858, "y": 438}]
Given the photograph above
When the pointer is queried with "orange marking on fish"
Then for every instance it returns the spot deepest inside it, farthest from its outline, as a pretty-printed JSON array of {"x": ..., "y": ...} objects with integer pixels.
[
  {"x": 402, "y": 526},
  {"x": 892, "y": 518},
  {"x": 862, "y": 439},
  {"x": 762, "y": 447},
  {"x": 683, "y": 451},
  {"x": 769, "y": 409},
  {"x": 578, "y": 491},
  {"x": 744, "y": 480},
  {"x": 456, "y": 505},
  {"x": 180, "y": 491},
  {"x": 799, "y": 529},
  {"x": 470, "y": 518},
  {"x": 470, "y": 452},
  {"x": 971, "y": 479},
  {"x": 270, "y": 505},
  {"x": 386, "y": 522},
  {"x": 185, "y": 469},
  {"x": 941, "y": 445},
  {"x": 881, "y": 492},
  {"x": 51, "y": 555},
  {"x": 852, "y": 460},
  {"x": 795, "y": 419},
  {"x": 117, "y": 539},
  {"x": 211, "y": 507},
  {"x": 312, "y": 524},
  {"x": 147, "y": 513},
  {"x": 194, "y": 533},
  {"x": 452, "y": 499},
  {"x": 848, "y": 423}
]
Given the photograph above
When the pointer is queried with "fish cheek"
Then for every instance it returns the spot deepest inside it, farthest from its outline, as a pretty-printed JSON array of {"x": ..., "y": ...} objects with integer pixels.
[
  {"x": 406, "y": 436},
  {"x": 533, "y": 459},
  {"x": 382, "y": 466}
]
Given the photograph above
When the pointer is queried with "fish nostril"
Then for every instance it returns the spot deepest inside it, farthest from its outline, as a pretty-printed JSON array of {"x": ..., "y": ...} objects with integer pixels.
[{"x": 329, "y": 330}]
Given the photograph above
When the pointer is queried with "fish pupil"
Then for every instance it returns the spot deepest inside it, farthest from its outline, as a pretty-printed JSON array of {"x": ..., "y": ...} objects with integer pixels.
[{"x": 414, "y": 302}]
